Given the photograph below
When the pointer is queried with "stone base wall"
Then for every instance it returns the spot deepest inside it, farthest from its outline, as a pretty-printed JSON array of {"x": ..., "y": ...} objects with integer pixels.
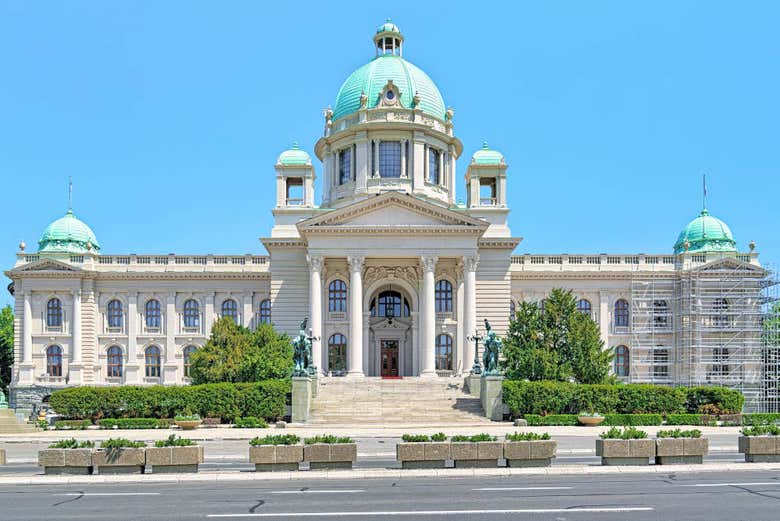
[{"x": 27, "y": 397}]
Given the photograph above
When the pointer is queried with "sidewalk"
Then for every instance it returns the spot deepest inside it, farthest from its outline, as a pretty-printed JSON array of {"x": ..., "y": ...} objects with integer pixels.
[{"x": 384, "y": 474}]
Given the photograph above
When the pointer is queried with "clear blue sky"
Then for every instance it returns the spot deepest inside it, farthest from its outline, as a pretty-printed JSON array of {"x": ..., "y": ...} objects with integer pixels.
[{"x": 170, "y": 115}]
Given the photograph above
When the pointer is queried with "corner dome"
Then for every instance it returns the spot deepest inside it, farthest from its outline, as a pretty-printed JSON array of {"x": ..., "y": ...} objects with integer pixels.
[
  {"x": 68, "y": 235},
  {"x": 371, "y": 79},
  {"x": 706, "y": 234},
  {"x": 486, "y": 156},
  {"x": 294, "y": 157}
]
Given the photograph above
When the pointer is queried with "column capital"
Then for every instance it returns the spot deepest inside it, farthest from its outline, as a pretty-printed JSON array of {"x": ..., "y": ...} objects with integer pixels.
[
  {"x": 316, "y": 262},
  {"x": 470, "y": 262},
  {"x": 77, "y": 292},
  {"x": 356, "y": 263},
  {"x": 429, "y": 262}
]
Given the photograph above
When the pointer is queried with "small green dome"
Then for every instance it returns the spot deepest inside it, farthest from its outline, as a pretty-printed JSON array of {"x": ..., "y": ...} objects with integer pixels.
[
  {"x": 68, "y": 235},
  {"x": 294, "y": 157},
  {"x": 388, "y": 27},
  {"x": 371, "y": 79},
  {"x": 486, "y": 156},
  {"x": 706, "y": 234}
]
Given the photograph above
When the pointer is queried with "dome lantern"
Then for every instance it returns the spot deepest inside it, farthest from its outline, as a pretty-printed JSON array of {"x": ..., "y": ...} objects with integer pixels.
[{"x": 388, "y": 39}]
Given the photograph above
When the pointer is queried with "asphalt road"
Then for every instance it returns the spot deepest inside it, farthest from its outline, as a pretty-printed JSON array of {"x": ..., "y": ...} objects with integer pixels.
[{"x": 753, "y": 496}]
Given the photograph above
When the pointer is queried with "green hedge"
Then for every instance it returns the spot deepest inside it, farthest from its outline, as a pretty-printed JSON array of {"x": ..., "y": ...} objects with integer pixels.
[
  {"x": 552, "y": 419},
  {"x": 224, "y": 400},
  {"x": 72, "y": 425},
  {"x": 545, "y": 398},
  {"x": 622, "y": 420},
  {"x": 762, "y": 418},
  {"x": 685, "y": 419},
  {"x": 132, "y": 423}
]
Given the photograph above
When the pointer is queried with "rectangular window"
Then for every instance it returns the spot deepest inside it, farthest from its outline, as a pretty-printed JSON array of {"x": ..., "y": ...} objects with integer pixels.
[
  {"x": 345, "y": 166},
  {"x": 294, "y": 191},
  {"x": 390, "y": 159},
  {"x": 661, "y": 363},
  {"x": 433, "y": 166},
  {"x": 487, "y": 192}
]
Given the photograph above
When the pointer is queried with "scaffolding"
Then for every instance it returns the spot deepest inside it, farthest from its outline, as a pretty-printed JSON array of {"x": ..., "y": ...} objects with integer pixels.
[{"x": 707, "y": 326}]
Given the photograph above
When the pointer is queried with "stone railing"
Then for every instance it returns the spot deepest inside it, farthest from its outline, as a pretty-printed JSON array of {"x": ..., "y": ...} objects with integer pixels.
[
  {"x": 605, "y": 262},
  {"x": 170, "y": 262}
]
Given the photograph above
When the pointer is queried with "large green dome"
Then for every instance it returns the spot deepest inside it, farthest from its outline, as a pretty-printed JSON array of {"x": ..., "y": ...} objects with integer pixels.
[
  {"x": 372, "y": 77},
  {"x": 68, "y": 235},
  {"x": 706, "y": 234}
]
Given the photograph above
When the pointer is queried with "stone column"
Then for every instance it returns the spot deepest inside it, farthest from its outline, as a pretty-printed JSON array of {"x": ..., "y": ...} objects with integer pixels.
[
  {"x": 75, "y": 367},
  {"x": 131, "y": 368},
  {"x": 27, "y": 329},
  {"x": 604, "y": 317},
  {"x": 375, "y": 171},
  {"x": 315, "y": 308},
  {"x": 208, "y": 318},
  {"x": 355, "y": 340},
  {"x": 169, "y": 361},
  {"x": 428, "y": 321},
  {"x": 403, "y": 159},
  {"x": 470, "y": 263},
  {"x": 247, "y": 310}
]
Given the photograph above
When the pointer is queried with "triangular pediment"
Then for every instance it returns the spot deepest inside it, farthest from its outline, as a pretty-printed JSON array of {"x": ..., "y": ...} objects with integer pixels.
[
  {"x": 728, "y": 264},
  {"x": 393, "y": 210},
  {"x": 45, "y": 265}
]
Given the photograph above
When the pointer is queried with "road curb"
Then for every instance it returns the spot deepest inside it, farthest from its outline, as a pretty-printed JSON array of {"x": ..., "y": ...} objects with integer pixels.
[{"x": 384, "y": 473}]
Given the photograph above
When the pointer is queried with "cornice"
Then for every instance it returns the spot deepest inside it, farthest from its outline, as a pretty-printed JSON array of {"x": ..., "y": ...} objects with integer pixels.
[
  {"x": 499, "y": 242},
  {"x": 589, "y": 275},
  {"x": 394, "y": 230},
  {"x": 282, "y": 242}
]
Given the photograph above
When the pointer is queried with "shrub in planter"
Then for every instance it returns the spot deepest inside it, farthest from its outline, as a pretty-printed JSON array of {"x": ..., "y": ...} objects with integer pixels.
[
  {"x": 174, "y": 454},
  {"x": 276, "y": 452},
  {"x": 249, "y": 422},
  {"x": 120, "y": 456},
  {"x": 187, "y": 421},
  {"x": 329, "y": 452},
  {"x": 590, "y": 418},
  {"x": 477, "y": 451},
  {"x": 628, "y": 446},
  {"x": 633, "y": 419},
  {"x": 760, "y": 443},
  {"x": 680, "y": 446},
  {"x": 528, "y": 449},
  {"x": 422, "y": 451},
  {"x": 67, "y": 457}
]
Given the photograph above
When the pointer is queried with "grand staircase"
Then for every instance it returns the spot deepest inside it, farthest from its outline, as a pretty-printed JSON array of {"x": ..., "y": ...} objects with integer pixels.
[
  {"x": 409, "y": 401},
  {"x": 10, "y": 425}
]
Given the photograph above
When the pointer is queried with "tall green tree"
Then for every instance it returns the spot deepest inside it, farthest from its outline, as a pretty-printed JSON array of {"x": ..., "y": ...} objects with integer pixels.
[
  {"x": 238, "y": 354},
  {"x": 555, "y": 341},
  {"x": 6, "y": 346}
]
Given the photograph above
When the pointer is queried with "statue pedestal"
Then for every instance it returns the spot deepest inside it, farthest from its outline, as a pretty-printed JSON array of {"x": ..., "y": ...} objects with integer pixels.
[
  {"x": 474, "y": 384},
  {"x": 490, "y": 393},
  {"x": 301, "y": 398},
  {"x": 75, "y": 374},
  {"x": 315, "y": 383}
]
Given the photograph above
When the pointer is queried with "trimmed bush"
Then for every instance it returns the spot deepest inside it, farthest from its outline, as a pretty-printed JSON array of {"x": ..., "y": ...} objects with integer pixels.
[
  {"x": 632, "y": 419},
  {"x": 415, "y": 438},
  {"x": 546, "y": 398},
  {"x": 121, "y": 443},
  {"x": 474, "y": 438},
  {"x": 250, "y": 422},
  {"x": 760, "y": 418},
  {"x": 72, "y": 425},
  {"x": 327, "y": 438},
  {"x": 129, "y": 423},
  {"x": 526, "y": 436},
  {"x": 762, "y": 430},
  {"x": 551, "y": 420},
  {"x": 72, "y": 443},
  {"x": 684, "y": 419},
  {"x": 174, "y": 441},
  {"x": 627, "y": 433},
  {"x": 679, "y": 433},
  {"x": 223, "y": 400},
  {"x": 275, "y": 439}
]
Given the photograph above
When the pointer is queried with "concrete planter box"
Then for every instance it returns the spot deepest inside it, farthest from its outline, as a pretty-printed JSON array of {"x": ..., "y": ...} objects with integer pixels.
[
  {"x": 120, "y": 461},
  {"x": 536, "y": 453},
  {"x": 760, "y": 449},
  {"x": 330, "y": 455},
  {"x": 174, "y": 459},
  {"x": 670, "y": 451},
  {"x": 476, "y": 454},
  {"x": 270, "y": 458},
  {"x": 625, "y": 452},
  {"x": 65, "y": 461},
  {"x": 423, "y": 455},
  {"x": 2, "y": 457}
]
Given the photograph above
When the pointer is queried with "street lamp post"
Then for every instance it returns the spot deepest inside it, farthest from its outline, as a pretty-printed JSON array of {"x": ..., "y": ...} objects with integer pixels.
[
  {"x": 476, "y": 338},
  {"x": 312, "y": 369}
]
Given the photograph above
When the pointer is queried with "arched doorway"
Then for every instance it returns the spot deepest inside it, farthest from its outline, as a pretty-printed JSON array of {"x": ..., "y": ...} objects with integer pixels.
[{"x": 391, "y": 332}]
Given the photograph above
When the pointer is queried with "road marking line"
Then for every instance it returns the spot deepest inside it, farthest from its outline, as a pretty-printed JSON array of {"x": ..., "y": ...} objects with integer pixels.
[
  {"x": 499, "y": 489},
  {"x": 733, "y": 484},
  {"x": 109, "y": 494},
  {"x": 444, "y": 512},
  {"x": 316, "y": 491}
]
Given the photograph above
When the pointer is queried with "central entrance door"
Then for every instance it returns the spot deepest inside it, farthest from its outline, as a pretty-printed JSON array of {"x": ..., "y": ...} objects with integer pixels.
[{"x": 389, "y": 357}]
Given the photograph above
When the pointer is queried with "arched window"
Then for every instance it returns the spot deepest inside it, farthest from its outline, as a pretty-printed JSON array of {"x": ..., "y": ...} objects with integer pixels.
[
  {"x": 389, "y": 303},
  {"x": 721, "y": 308},
  {"x": 152, "y": 361},
  {"x": 230, "y": 309},
  {"x": 191, "y": 314},
  {"x": 621, "y": 361},
  {"x": 186, "y": 354},
  {"x": 115, "y": 314},
  {"x": 512, "y": 310},
  {"x": 265, "y": 312},
  {"x": 443, "y": 296},
  {"x": 337, "y": 296},
  {"x": 152, "y": 313},
  {"x": 583, "y": 306},
  {"x": 337, "y": 353},
  {"x": 443, "y": 352},
  {"x": 54, "y": 361},
  {"x": 660, "y": 314},
  {"x": 54, "y": 313},
  {"x": 621, "y": 313},
  {"x": 114, "y": 362}
]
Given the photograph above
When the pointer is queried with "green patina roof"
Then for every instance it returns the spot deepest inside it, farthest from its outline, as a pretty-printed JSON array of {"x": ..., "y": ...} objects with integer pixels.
[
  {"x": 486, "y": 156},
  {"x": 388, "y": 27},
  {"x": 372, "y": 77},
  {"x": 68, "y": 235},
  {"x": 294, "y": 156},
  {"x": 704, "y": 234}
]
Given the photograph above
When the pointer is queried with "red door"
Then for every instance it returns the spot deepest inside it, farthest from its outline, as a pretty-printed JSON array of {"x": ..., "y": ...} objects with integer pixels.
[{"x": 389, "y": 354}]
